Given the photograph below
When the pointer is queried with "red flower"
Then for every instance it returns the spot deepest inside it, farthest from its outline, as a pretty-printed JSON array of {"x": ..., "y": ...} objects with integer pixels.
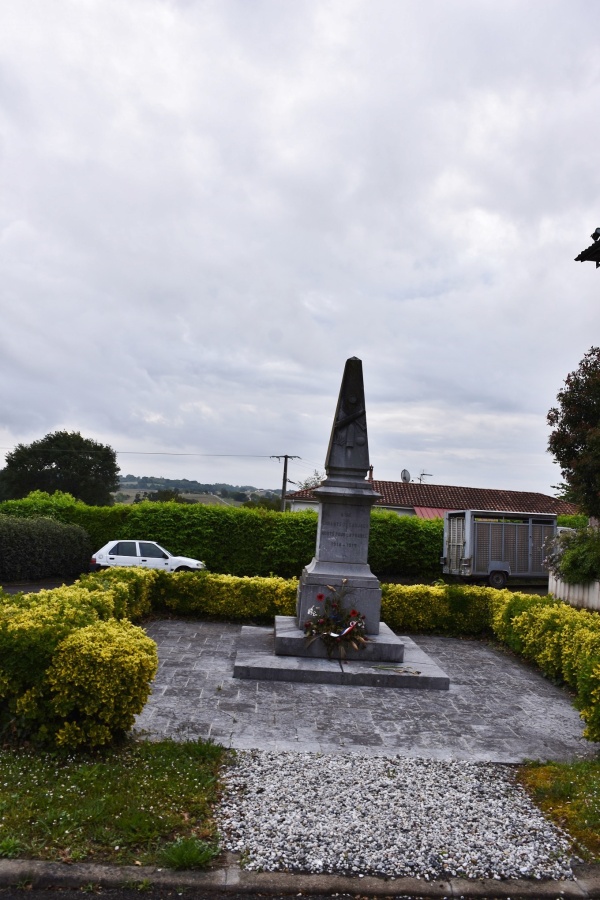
[
  {"x": 354, "y": 612},
  {"x": 320, "y": 598}
]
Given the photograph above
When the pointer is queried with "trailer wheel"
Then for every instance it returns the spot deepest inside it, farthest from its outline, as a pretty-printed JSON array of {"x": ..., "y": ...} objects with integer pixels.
[{"x": 497, "y": 579}]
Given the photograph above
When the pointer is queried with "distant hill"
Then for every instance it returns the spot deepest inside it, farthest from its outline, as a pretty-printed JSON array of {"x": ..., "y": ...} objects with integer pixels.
[{"x": 189, "y": 486}]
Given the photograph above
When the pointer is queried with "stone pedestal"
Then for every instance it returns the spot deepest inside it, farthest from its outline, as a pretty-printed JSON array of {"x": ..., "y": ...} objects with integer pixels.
[
  {"x": 291, "y": 641},
  {"x": 342, "y": 550},
  {"x": 255, "y": 659}
]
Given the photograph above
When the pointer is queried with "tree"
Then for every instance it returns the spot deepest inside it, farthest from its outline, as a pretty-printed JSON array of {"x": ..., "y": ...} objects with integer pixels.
[
  {"x": 62, "y": 461},
  {"x": 258, "y": 501},
  {"x": 575, "y": 440},
  {"x": 313, "y": 481},
  {"x": 166, "y": 495}
]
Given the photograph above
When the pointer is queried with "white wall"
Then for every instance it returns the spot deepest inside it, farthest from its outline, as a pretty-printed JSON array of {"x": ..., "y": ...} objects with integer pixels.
[{"x": 583, "y": 596}]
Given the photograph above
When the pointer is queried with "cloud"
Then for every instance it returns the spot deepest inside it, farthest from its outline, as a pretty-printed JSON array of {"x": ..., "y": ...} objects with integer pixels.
[{"x": 206, "y": 207}]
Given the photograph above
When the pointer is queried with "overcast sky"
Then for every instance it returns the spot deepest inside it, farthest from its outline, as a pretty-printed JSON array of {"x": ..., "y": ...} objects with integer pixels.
[{"x": 207, "y": 206}]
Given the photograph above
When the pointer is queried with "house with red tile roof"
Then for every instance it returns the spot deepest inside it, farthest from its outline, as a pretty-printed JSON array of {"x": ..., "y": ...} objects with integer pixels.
[{"x": 430, "y": 501}]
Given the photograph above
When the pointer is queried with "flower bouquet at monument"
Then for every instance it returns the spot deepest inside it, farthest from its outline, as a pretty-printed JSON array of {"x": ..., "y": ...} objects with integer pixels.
[{"x": 337, "y": 626}]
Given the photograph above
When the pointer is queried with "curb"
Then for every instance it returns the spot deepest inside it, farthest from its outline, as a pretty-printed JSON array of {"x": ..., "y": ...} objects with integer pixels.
[{"x": 230, "y": 878}]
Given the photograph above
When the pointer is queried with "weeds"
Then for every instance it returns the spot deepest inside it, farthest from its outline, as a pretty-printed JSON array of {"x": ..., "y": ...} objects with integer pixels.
[
  {"x": 187, "y": 853},
  {"x": 122, "y": 805},
  {"x": 10, "y": 848},
  {"x": 569, "y": 793}
]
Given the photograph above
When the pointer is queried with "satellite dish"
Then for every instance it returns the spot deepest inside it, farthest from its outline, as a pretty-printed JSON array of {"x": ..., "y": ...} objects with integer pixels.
[{"x": 405, "y": 475}]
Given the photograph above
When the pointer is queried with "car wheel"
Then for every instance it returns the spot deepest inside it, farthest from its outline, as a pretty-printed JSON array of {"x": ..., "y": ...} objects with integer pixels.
[
  {"x": 497, "y": 580},
  {"x": 183, "y": 569}
]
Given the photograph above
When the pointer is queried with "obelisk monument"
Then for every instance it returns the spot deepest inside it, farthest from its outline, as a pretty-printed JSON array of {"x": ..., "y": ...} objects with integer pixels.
[{"x": 345, "y": 501}]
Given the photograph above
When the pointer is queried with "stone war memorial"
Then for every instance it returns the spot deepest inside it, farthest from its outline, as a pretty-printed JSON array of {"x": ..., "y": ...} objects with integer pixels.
[{"x": 339, "y": 577}]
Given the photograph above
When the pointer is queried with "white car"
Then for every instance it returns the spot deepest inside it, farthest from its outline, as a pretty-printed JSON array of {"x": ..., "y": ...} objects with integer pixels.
[{"x": 142, "y": 553}]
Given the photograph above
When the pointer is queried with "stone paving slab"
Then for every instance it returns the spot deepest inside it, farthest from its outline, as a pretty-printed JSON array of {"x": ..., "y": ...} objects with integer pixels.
[
  {"x": 497, "y": 708},
  {"x": 256, "y": 658}
]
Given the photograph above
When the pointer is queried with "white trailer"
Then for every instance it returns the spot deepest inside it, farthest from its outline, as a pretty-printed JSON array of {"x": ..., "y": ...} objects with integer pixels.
[{"x": 496, "y": 545}]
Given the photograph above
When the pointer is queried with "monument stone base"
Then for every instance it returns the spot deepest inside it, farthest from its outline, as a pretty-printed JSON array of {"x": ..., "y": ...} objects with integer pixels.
[
  {"x": 255, "y": 659},
  {"x": 291, "y": 641},
  {"x": 364, "y": 595}
]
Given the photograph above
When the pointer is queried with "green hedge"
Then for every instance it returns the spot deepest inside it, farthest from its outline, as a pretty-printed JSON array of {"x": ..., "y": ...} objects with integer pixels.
[
  {"x": 405, "y": 546},
  {"x": 579, "y": 521},
  {"x": 37, "y": 548},
  {"x": 243, "y": 542},
  {"x": 100, "y": 522}
]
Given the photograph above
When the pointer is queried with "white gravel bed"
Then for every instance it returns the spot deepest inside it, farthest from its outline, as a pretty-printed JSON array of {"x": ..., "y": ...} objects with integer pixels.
[{"x": 353, "y": 815}]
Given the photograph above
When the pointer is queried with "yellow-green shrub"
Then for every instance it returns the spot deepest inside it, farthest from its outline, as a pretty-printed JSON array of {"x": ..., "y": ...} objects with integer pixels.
[
  {"x": 33, "y": 625},
  {"x": 505, "y": 607},
  {"x": 586, "y": 646},
  {"x": 564, "y": 642},
  {"x": 37, "y": 632},
  {"x": 225, "y": 596},
  {"x": 439, "y": 609},
  {"x": 547, "y": 634},
  {"x": 99, "y": 680},
  {"x": 133, "y": 588}
]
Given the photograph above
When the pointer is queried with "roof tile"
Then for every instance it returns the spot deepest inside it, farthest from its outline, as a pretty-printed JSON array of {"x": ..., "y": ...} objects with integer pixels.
[{"x": 441, "y": 497}]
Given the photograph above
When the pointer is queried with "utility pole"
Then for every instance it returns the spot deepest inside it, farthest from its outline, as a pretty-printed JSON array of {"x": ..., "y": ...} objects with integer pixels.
[{"x": 284, "y": 457}]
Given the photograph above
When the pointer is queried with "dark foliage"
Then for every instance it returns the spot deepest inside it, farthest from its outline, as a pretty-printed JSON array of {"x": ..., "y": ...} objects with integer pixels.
[
  {"x": 575, "y": 439},
  {"x": 40, "y": 548},
  {"x": 62, "y": 461}
]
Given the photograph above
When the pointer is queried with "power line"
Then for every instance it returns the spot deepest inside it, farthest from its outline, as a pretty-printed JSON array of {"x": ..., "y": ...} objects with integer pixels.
[
  {"x": 152, "y": 453},
  {"x": 172, "y": 453}
]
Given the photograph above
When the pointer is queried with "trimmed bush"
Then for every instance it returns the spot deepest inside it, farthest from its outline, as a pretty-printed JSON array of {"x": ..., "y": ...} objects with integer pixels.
[
  {"x": 36, "y": 548},
  {"x": 102, "y": 523},
  {"x": 243, "y": 542},
  {"x": 232, "y": 541},
  {"x": 436, "y": 609},
  {"x": 132, "y": 589},
  {"x": 405, "y": 546},
  {"x": 58, "y": 688},
  {"x": 31, "y": 628},
  {"x": 98, "y": 681},
  {"x": 226, "y": 596}
]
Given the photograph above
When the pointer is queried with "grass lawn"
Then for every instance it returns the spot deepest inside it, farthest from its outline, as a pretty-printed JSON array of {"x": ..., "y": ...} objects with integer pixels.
[
  {"x": 145, "y": 802},
  {"x": 569, "y": 794}
]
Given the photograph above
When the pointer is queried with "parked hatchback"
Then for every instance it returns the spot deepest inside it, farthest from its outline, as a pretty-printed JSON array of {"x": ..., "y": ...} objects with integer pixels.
[{"x": 142, "y": 553}]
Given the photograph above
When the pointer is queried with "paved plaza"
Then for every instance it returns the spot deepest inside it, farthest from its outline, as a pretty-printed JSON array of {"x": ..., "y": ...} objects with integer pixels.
[{"x": 497, "y": 709}]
